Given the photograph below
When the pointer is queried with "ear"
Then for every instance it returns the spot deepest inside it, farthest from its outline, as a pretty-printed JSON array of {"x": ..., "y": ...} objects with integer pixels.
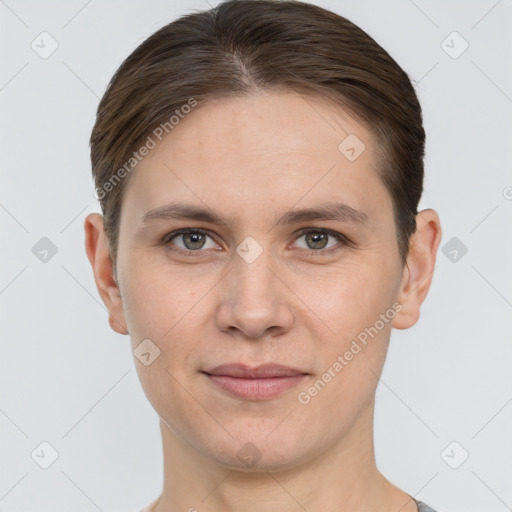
[
  {"x": 419, "y": 269},
  {"x": 96, "y": 246}
]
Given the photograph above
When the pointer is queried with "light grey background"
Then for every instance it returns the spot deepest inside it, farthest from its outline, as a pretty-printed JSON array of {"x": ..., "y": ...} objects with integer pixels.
[{"x": 67, "y": 379}]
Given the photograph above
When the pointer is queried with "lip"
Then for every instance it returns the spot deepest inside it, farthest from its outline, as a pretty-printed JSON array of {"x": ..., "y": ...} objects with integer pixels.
[{"x": 258, "y": 383}]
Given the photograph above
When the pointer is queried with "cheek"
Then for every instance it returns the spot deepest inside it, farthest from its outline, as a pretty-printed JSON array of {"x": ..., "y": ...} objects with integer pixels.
[
  {"x": 155, "y": 298},
  {"x": 353, "y": 357},
  {"x": 347, "y": 299},
  {"x": 351, "y": 306},
  {"x": 158, "y": 310},
  {"x": 166, "y": 308}
]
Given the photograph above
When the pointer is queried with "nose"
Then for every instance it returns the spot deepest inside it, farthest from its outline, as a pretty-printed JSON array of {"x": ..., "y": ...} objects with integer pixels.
[{"x": 254, "y": 300}]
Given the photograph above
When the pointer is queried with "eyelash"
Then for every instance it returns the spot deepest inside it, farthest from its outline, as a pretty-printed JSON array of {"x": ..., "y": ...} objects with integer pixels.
[{"x": 342, "y": 239}]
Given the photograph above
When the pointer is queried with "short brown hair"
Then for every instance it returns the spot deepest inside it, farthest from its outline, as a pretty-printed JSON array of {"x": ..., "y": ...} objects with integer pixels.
[{"x": 242, "y": 46}]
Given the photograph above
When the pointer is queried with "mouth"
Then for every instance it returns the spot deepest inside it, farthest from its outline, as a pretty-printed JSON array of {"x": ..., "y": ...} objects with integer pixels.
[{"x": 259, "y": 383}]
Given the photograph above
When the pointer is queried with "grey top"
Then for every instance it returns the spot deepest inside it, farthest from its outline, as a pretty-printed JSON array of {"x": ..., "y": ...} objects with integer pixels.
[{"x": 423, "y": 507}]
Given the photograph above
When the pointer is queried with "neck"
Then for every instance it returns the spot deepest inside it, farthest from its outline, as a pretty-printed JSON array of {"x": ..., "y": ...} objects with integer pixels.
[{"x": 344, "y": 478}]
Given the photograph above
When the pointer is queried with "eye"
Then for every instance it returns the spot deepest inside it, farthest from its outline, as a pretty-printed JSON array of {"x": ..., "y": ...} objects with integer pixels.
[
  {"x": 317, "y": 240},
  {"x": 191, "y": 240}
]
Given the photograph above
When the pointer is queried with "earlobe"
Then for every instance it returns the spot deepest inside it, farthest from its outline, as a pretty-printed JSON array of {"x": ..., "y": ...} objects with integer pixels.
[
  {"x": 96, "y": 246},
  {"x": 121, "y": 329},
  {"x": 418, "y": 271}
]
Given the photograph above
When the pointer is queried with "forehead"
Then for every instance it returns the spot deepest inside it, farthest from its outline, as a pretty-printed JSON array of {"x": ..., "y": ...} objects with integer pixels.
[
  {"x": 269, "y": 123},
  {"x": 268, "y": 150}
]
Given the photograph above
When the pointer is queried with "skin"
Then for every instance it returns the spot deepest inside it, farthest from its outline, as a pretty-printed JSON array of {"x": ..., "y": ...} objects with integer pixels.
[{"x": 254, "y": 158}]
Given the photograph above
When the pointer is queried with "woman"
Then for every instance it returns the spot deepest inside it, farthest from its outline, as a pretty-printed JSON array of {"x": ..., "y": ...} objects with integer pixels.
[{"x": 259, "y": 167}]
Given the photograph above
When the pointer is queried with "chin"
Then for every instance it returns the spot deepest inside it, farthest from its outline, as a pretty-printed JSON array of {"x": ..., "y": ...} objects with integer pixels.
[{"x": 260, "y": 455}]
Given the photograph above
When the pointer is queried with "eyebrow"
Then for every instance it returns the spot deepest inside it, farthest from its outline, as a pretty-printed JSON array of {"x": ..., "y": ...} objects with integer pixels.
[{"x": 327, "y": 211}]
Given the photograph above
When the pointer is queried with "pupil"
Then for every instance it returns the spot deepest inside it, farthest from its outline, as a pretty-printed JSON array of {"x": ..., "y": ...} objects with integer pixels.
[
  {"x": 193, "y": 240},
  {"x": 318, "y": 240}
]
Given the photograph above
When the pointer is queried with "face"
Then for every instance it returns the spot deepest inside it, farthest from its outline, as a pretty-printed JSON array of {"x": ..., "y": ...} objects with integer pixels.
[{"x": 256, "y": 303}]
